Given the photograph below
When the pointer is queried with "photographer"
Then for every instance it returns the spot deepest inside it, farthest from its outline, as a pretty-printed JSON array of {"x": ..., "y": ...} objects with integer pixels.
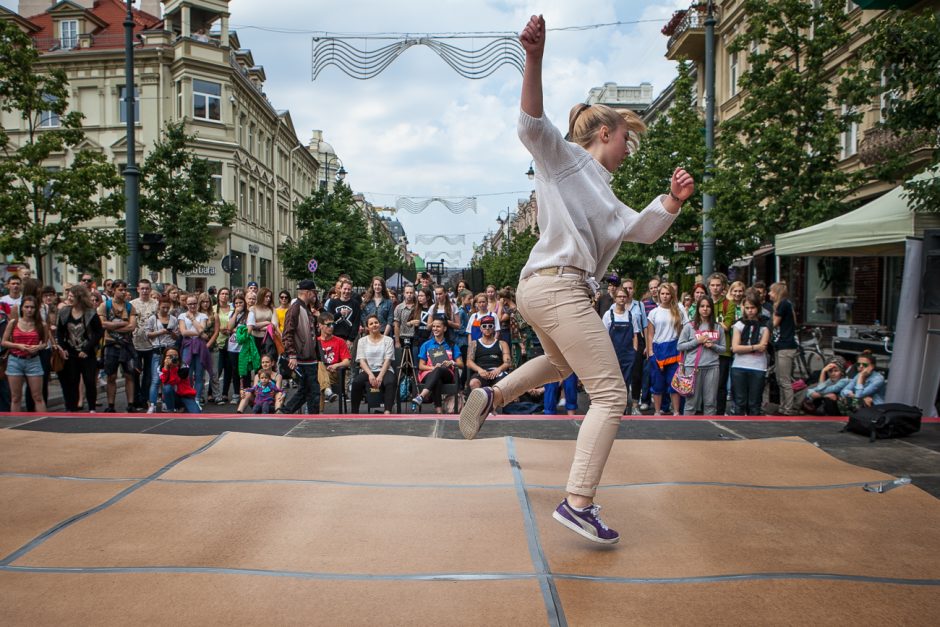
[{"x": 176, "y": 386}]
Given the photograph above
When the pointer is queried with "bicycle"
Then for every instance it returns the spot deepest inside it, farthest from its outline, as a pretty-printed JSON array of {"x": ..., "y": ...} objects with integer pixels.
[{"x": 810, "y": 355}]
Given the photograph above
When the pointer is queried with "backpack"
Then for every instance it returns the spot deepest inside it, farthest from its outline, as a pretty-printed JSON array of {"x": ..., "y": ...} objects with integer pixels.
[
  {"x": 108, "y": 305},
  {"x": 890, "y": 420}
]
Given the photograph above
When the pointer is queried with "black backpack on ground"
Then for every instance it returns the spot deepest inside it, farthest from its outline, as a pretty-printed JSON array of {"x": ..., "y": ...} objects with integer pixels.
[{"x": 890, "y": 420}]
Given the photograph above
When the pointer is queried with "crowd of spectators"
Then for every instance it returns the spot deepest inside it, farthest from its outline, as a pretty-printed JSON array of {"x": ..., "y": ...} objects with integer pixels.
[{"x": 250, "y": 349}]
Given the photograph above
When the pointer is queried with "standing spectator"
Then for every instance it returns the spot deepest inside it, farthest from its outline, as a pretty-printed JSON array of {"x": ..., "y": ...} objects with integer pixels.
[
  {"x": 736, "y": 296},
  {"x": 784, "y": 323},
  {"x": 650, "y": 301},
  {"x": 119, "y": 321},
  {"x": 606, "y": 300},
  {"x": 488, "y": 358},
  {"x": 177, "y": 308},
  {"x": 223, "y": 310},
  {"x": 335, "y": 356},
  {"x": 303, "y": 350},
  {"x": 639, "y": 314},
  {"x": 702, "y": 342},
  {"x": 10, "y": 302},
  {"x": 4, "y": 384},
  {"x": 48, "y": 310},
  {"x": 443, "y": 310},
  {"x": 108, "y": 291},
  {"x": 438, "y": 361},
  {"x": 210, "y": 334},
  {"x": 462, "y": 312},
  {"x": 725, "y": 316},
  {"x": 698, "y": 293},
  {"x": 551, "y": 395},
  {"x": 378, "y": 301},
  {"x": 866, "y": 388},
  {"x": 252, "y": 287},
  {"x": 424, "y": 282},
  {"x": 749, "y": 344},
  {"x": 146, "y": 307},
  {"x": 624, "y": 330},
  {"x": 283, "y": 304},
  {"x": 162, "y": 330},
  {"x": 25, "y": 337},
  {"x": 78, "y": 331},
  {"x": 420, "y": 317},
  {"x": 176, "y": 386},
  {"x": 472, "y": 329},
  {"x": 662, "y": 337},
  {"x": 237, "y": 320},
  {"x": 375, "y": 353},
  {"x": 262, "y": 322},
  {"x": 507, "y": 306},
  {"x": 402, "y": 315},
  {"x": 492, "y": 301},
  {"x": 345, "y": 309},
  {"x": 195, "y": 351},
  {"x": 766, "y": 305}
]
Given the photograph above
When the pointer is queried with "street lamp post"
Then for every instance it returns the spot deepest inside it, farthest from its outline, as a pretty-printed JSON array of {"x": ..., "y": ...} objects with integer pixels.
[
  {"x": 708, "y": 200},
  {"x": 340, "y": 174},
  {"x": 131, "y": 173},
  {"x": 531, "y": 171}
]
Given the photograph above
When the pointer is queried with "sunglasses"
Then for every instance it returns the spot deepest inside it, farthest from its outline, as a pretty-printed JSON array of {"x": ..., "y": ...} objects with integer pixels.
[
  {"x": 329, "y": 324},
  {"x": 487, "y": 326}
]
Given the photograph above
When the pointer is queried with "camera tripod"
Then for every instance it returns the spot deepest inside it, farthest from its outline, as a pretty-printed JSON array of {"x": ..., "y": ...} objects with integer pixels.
[{"x": 407, "y": 374}]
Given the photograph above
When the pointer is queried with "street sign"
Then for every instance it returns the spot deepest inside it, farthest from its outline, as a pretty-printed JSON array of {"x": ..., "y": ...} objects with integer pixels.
[
  {"x": 684, "y": 247},
  {"x": 312, "y": 265}
]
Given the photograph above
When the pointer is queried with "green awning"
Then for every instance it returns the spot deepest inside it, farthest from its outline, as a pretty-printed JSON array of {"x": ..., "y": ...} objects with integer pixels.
[
  {"x": 878, "y": 228},
  {"x": 886, "y": 4}
]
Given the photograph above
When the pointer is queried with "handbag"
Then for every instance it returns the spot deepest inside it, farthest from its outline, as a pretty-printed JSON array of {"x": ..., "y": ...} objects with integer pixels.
[
  {"x": 682, "y": 383},
  {"x": 56, "y": 361}
]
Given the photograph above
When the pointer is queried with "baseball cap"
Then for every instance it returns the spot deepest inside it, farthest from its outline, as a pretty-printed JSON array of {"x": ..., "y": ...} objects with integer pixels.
[
  {"x": 612, "y": 278},
  {"x": 487, "y": 320},
  {"x": 306, "y": 284},
  {"x": 252, "y": 284}
]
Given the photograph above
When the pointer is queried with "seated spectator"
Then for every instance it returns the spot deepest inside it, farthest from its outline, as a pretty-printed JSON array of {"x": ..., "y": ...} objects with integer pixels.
[
  {"x": 823, "y": 398},
  {"x": 867, "y": 388},
  {"x": 249, "y": 395},
  {"x": 488, "y": 358},
  {"x": 265, "y": 391},
  {"x": 335, "y": 357},
  {"x": 437, "y": 363},
  {"x": 375, "y": 353}
]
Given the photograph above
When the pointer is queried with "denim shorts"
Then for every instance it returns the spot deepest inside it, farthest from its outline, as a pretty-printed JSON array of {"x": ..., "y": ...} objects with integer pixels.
[{"x": 28, "y": 367}]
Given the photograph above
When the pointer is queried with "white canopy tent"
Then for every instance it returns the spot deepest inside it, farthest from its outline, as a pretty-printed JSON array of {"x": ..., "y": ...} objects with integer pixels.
[{"x": 878, "y": 228}]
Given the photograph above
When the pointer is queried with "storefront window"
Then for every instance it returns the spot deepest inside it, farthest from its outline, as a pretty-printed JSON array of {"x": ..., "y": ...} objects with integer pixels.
[{"x": 830, "y": 290}]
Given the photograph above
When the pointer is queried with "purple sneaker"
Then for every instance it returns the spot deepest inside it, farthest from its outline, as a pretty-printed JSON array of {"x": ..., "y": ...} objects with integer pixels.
[
  {"x": 475, "y": 411},
  {"x": 587, "y": 523}
]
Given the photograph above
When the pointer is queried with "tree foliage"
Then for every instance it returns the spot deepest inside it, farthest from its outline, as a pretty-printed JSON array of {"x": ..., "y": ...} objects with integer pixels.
[
  {"x": 676, "y": 139},
  {"x": 45, "y": 209},
  {"x": 899, "y": 64},
  {"x": 334, "y": 232},
  {"x": 502, "y": 267},
  {"x": 178, "y": 202},
  {"x": 778, "y": 157}
]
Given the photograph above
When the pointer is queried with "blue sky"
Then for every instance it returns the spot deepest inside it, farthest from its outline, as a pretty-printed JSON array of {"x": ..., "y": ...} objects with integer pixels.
[{"x": 420, "y": 130}]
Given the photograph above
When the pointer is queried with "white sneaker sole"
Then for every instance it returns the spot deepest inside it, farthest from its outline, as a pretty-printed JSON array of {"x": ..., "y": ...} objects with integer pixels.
[
  {"x": 471, "y": 416},
  {"x": 580, "y": 530}
]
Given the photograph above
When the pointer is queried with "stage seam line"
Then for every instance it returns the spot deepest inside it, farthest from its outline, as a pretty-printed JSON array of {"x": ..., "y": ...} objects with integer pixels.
[
  {"x": 918, "y": 446},
  {"x": 157, "y": 425},
  {"x": 291, "y": 430},
  {"x": 553, "y": 606},
  {"x": 33, "y": 475},
  {"x": 345, "y": 484},
  {"x": 753, "y": 577},
  {"x": 58, "y": 570},
  {"x": 728, "y": 429},
  {"x": 718, "y": 484},
  {"x": 68, "y": 522}
]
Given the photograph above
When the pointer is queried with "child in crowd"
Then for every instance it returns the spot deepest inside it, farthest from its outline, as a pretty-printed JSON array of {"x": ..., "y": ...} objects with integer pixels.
[
  {"x": 265, "y": 393},
  {"x": 176, "y": 386},
  {"x": 249, "y": 395}
]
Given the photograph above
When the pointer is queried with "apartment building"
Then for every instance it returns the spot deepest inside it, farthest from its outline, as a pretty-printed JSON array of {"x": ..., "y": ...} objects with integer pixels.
[{"x": 189, "y": 66}]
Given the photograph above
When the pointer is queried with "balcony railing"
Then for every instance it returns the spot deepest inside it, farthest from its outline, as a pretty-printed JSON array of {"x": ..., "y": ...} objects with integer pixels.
[
  {"x": 55, "y": 44},
  {"x": 880, "y": 144},
  {"x": 694, "y": 19}
]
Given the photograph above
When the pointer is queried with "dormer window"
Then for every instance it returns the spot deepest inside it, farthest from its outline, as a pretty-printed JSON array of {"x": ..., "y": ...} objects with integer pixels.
[{"x": 68, "y": 34}]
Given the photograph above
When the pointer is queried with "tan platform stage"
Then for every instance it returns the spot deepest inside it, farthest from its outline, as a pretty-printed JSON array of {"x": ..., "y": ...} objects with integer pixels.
[{"x": 113, "y": 529}]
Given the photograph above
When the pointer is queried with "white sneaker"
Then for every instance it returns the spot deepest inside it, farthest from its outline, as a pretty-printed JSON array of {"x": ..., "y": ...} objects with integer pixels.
[
  {"x": 644, "y": 406},
  {"x": 151, "y": 408}
]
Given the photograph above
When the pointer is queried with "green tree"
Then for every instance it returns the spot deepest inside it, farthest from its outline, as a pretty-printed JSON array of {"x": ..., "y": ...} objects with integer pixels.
[
  {"x": 47, "y": 201},
  {"x": 332, "y": 231},
  {"x": 178, "y": 202},
  {"x": 674, "y": 140},
  {"x": 778, "y": 157},
  {"x": 898, "y": 66},
  {"x": 502, "y": 267}
]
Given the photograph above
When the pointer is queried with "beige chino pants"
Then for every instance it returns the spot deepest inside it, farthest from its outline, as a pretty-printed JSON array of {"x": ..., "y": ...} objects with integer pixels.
[{"x": 575, "y": 340}]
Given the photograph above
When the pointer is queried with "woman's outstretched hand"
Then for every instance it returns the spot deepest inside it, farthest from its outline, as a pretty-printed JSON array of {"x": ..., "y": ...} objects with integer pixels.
[
  {"x": 533, "y": 36},
  {"x": 682, "y": 185}
]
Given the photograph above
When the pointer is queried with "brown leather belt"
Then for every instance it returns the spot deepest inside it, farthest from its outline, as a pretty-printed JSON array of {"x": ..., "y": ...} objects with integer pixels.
[{"x": 559, "y": 270}]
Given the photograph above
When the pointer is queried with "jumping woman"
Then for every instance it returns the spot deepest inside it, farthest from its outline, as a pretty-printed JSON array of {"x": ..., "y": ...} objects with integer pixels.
[{"x": 582, "y": 225}]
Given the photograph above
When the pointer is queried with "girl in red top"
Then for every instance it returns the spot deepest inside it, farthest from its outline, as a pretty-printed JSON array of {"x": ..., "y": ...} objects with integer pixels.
[
  {"x": 176, "y": 386},
  {"x": 25, "y": 337}
]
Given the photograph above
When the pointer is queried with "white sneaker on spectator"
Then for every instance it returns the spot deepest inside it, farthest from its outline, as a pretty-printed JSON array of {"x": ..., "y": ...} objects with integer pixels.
[{"x": 151, "y": 408}]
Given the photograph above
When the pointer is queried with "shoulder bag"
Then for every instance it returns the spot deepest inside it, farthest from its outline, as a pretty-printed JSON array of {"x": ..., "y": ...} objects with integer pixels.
[{"x": 682, "y": 383}]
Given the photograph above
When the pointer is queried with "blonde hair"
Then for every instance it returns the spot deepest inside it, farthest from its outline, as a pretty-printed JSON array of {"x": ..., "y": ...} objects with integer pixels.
[{"x": 584, "y": 121}]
